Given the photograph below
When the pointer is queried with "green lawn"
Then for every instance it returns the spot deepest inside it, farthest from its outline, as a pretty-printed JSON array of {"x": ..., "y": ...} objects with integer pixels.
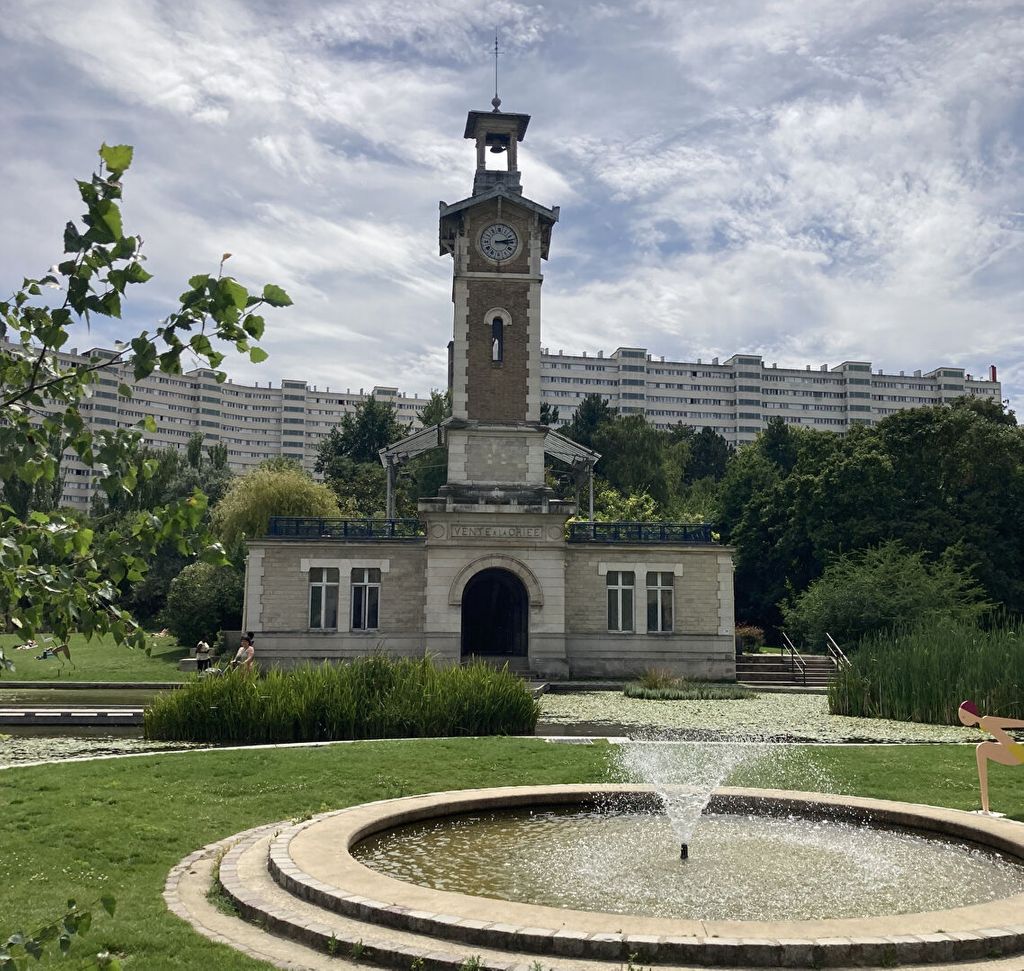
[
  {"x": 97, "y": 660},
  {"x": 117, "y": 827}
]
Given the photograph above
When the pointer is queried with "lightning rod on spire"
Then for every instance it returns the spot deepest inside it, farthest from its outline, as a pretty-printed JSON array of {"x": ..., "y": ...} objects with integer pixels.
[{"x": 496, "y": 101}]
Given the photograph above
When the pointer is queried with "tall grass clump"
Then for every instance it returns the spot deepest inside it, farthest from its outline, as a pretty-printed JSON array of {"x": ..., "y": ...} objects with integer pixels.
[
  {"x": 922, "y": 674},
  {"x": 371, "y": 697},
  {"x": 657, "y": 684}
]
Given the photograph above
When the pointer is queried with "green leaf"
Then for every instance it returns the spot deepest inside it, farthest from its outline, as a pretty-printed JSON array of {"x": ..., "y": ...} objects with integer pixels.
[
  {"x": 117, "y": 158},
  {"x": 73, "y": 241},
  {"x": 275, "y": 296},
  {"x": 257, "y": 355},
  {"x": 109, "y": 904},
  {"x": 235, "y": 292},
  {"x": 124, "y": 390},
  {"x": 136, "y": 274},
  {"x": 111, "y": 217}
]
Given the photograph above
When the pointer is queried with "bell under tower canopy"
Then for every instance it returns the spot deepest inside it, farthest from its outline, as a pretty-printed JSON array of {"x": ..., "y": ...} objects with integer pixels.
[{"x": 498, "y": 131}]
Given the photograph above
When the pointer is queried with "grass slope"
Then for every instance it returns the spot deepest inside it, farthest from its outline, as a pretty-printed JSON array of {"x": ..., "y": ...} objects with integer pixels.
[
  {"x": 97, "y": 660},
  {"x": 117, "y": 827}
]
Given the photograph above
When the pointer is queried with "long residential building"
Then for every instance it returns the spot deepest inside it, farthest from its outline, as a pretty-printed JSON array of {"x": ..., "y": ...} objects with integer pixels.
[{"x": 736, "y": 398}]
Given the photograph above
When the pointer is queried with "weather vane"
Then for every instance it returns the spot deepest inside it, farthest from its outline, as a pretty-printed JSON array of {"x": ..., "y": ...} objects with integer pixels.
[{"x": 496, "y": 101}]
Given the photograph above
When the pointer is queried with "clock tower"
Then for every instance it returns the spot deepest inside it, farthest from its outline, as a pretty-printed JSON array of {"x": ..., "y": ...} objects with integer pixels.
[{"x": 497, "y": 239}]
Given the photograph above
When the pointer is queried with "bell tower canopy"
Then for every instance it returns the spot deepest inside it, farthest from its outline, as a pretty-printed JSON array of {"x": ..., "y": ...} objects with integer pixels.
[{"x": 499, "y": 132}]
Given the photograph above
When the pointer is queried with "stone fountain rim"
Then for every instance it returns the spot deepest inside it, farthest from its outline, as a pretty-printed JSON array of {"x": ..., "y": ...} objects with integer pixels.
[{"x": 312, "y": 859}]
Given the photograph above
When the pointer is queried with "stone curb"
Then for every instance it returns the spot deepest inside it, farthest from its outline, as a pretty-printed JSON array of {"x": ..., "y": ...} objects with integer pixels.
[
  {"x": 744, "y": 949},
  {"x": 317, "y": 935}
]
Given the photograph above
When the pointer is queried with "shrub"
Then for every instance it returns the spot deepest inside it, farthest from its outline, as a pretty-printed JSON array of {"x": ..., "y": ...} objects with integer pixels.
[
  {"x": 877, "y": 589},
  {"x": 657, "y": 678},
  {"x": 203, "y": 600},
  {"x": 922, "y": 674},
  {"x": 371, "y": 697},
  {"x": 751, "y": 638}
]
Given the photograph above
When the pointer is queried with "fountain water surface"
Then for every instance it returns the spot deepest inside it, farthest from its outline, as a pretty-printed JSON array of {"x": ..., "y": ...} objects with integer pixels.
[{"x": 624, "y": 859}]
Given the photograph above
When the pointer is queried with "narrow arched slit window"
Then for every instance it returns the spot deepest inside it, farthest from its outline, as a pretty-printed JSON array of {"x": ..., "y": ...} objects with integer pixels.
[{"x": 497, "y": 340}]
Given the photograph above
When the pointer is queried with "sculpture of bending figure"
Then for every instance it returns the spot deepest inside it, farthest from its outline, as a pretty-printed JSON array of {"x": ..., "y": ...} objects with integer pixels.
[{"x": 1005, "y": 749}]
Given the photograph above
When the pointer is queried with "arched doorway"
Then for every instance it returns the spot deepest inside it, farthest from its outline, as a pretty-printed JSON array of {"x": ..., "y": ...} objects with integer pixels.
[{"x": 495, "y": 615}]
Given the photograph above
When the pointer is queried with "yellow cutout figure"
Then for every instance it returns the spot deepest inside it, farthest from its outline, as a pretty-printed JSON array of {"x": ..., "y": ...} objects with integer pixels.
[{"x": 1005, "y": 749}]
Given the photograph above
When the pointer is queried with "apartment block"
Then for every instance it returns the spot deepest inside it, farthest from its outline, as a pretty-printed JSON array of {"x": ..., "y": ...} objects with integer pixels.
[
  {"x": 736, "y": 398},
  {"x": 255, "y": 422},
  {"x": 739, "y": 396}
]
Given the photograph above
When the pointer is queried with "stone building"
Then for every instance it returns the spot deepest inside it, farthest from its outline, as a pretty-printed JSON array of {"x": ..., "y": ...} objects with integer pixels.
[{"x": 492, "y": 567}]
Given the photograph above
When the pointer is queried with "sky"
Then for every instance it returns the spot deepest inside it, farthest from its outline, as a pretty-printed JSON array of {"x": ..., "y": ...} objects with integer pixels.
[{"x": 810, "y": 180}]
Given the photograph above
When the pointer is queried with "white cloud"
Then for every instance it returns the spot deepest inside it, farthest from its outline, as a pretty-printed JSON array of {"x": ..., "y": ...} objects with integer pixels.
[{"x": 808, "y": 180}]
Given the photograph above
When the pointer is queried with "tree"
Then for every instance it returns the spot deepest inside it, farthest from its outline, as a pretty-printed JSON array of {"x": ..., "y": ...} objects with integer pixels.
[
  {"x": 611, "y": 506},
  {"x": 360, "y": 436},
  {"x": 54, "y": 573},
  {"x": 591, "y": 414},
  {"x": 709, "y": 456},
  {"x": 549, "y": 414},
  {"x": 880, "y": 588},
  {"x": 424, "y": 475},
  {"x": 253, "y": 498},
  {"x": 634, "y": 458},
  {"x": 436, "y": 409},
  {"x": 203, "y": 600}
]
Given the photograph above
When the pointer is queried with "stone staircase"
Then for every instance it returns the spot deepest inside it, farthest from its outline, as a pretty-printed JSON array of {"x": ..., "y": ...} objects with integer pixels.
[{"x": 777, "y": 672}]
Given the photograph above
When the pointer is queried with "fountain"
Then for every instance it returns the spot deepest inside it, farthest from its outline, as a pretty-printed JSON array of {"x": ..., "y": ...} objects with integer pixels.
[{"x": 561, "y": 874}]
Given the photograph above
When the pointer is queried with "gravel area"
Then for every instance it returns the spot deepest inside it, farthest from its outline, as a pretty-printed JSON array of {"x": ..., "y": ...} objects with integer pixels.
[{"x": 795, "y": 717}]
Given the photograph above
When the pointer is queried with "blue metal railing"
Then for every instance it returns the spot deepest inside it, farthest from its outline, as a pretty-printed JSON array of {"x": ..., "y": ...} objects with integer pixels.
[
  {"x": 307, "y": 527},
  {"x": 640, "y": 533}
]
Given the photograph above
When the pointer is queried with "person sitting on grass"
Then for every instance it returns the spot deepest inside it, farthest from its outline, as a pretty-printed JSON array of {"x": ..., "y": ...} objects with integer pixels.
[{"x": 1006, "y": 750}]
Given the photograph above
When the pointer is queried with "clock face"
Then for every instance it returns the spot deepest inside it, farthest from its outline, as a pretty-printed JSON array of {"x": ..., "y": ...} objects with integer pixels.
[{"x": 499, "y": 241}]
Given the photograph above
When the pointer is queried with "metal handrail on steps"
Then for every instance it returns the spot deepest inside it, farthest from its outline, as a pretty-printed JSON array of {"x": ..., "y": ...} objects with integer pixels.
[
  {"x": 796, "y": 662},
  {"x": 836, "y": 653}
]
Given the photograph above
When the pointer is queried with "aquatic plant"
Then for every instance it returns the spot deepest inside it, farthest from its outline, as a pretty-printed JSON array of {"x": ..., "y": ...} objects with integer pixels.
[{"x": 370, "y": 697}]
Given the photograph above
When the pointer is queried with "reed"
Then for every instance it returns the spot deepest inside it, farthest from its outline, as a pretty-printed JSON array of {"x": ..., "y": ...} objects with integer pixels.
[
  {"x": 371, "y": 697},
  {"x": 923, "y": 673},
  {"x": 682, "y": 690}
]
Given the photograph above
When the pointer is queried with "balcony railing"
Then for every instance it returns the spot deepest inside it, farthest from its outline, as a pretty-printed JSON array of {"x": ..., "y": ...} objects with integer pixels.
[
  {"x": 640, "y": 533},
  {"x": 301, "y": 527}
]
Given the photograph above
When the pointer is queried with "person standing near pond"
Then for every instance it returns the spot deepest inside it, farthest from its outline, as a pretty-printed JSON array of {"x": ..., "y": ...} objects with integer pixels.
[
  {"x": 245, "y": 654},
  {"x": 202, "y": 655}
]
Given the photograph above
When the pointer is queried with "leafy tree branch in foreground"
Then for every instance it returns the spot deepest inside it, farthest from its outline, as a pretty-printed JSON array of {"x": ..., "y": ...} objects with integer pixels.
[{"x": 55, "y": 574}]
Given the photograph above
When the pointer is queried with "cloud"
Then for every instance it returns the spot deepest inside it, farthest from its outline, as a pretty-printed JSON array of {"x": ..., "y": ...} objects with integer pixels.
[{"x": 809, "y": 181}]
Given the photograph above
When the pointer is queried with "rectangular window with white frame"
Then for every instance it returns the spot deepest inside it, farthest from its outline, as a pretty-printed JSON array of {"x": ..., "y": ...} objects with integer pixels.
[
  {"x": 323, "y": 597},
  {"x": 365, "y": 598},
  {"x": 659, "y": 603},
  {"x": 620, "y": 600}
]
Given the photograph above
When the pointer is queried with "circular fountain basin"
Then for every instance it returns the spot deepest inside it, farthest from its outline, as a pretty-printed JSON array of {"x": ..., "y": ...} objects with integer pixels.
[{"x": 821, "y": 855}]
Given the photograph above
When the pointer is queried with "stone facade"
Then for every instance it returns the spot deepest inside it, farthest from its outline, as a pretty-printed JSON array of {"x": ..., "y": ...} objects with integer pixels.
[
  {"x": 494, "y": 573},
  {"x": 565, "y": 586},
  {"x": 277, "y": 599}
]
